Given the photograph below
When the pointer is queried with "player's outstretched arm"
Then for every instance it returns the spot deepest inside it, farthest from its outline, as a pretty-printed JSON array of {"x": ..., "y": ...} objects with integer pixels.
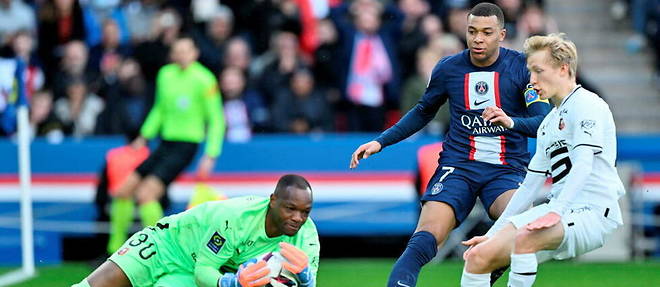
[
  {"x": 298, "y": 263},
  {"x": 364, "y": 151}
]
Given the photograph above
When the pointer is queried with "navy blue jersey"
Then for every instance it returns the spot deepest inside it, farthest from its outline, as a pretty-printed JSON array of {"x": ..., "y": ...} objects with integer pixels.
[{"x": 469, "y": 90}]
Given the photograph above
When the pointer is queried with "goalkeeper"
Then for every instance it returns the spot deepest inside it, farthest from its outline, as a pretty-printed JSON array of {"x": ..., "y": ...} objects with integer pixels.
[{"x": 206, "y": 246}]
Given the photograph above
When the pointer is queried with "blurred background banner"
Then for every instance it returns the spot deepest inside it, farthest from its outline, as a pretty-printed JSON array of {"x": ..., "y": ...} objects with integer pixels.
[{"x": 380, "y": 199}]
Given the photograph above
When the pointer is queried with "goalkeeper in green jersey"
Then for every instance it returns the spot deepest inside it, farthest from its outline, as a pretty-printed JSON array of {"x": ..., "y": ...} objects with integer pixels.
[
  {"x": 187, "y": 109},
  {"x": 215, "y": 244}
]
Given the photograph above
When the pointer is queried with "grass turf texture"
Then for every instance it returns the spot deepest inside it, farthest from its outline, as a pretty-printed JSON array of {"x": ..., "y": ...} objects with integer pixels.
[{"x": 374, "y": 272}]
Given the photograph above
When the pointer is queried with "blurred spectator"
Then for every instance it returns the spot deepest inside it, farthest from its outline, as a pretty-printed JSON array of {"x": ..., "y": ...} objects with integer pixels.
[
  {"x": 326, "y": 68},
  {"x": 512, "y": 11},
  {"x": 78, "y": 110},
  {"x": 154, "y": 53},
  {"x": 60, "y": 21},
  {"x": 43, "y": 122},
  {"x": 458, "y": 23},
  {"x": 301, "y": 108},
  {"x": 110, "y": 47},
  {"x": 237, "y": 54},
  {"x": 414, "y": 88},
  {"x": 213, "y": 40},
  {"x": 269, "y": 16},
  {"x": 15, "y": 15},
  {"x": 445, "y": 45},
  {"x": 244, "y": 109},
  {"x": 432, "y": 27},
  {"x": 95, "y": 14},
  {"x": 369, "y": 58},
  {"x": 22, "y": 45},
  {"x": 73, "y": 66},
  {"x": 125, "y": 107},
  {"x": 532, "y": 22},
  {"x": 203, "y": 10},
  {"x": 412, "y": 37},
  {"x": 140, "y": 16},
  {"x": 276, "y": 74}
]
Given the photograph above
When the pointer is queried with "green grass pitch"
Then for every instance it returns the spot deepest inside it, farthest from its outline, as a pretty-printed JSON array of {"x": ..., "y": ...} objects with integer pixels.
[{"x": 373, "y": 273}]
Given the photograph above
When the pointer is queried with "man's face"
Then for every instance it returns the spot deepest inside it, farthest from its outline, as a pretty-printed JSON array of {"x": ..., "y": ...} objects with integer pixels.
[
  {"x": 291, "y": 213},
  {"x": 483, "y": 38},
  {"x": 184, "y": 52},
  {"x": 544, "y": 76}
]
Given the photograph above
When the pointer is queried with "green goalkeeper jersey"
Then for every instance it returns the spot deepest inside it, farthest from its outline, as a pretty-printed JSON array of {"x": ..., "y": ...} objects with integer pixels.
[
  {"x": 217, "y": 237},
  {"x": 186, "y": 99}
]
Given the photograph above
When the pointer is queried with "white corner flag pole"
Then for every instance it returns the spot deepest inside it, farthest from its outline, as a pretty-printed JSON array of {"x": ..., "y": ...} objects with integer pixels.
[{"x": 27, "y": 239}]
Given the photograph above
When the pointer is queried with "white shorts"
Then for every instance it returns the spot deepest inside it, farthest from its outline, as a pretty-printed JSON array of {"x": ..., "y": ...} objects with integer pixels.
[{"x": 585, "y": 229}]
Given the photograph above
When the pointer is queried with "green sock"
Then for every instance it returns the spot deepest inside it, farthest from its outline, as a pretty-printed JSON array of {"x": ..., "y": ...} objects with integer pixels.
[
  {"x": 150, "y": 213},
  {"x": 121, "y": 217}
]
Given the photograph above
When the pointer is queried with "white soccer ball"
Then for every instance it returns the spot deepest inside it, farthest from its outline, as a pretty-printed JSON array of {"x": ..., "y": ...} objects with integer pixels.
[{"x": 279, "y": 277}]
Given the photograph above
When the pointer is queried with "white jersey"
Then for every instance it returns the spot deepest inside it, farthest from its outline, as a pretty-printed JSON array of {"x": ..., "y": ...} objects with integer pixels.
[{"x": 582, "y": 119}]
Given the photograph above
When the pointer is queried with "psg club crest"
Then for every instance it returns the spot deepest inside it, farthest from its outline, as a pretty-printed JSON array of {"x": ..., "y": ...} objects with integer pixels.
[
  {"x": 561, "y": 124},
  {"x": 437, "y": 188},
  {"x": 481, "y": 88}
]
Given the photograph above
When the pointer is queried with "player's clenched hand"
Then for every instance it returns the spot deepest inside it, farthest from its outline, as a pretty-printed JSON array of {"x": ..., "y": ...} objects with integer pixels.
[
  {"x": 545, "y": 221},
  {"x": 364, "y": 151},
  {"x": 472, "y": 243},
  {"x": 497, "y": 116},
  {"x": 253, "y": 275},
  {"x": 296, "y": 259}
]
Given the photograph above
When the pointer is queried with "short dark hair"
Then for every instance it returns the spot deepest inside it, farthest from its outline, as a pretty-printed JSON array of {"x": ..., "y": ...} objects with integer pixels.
[
  {"x": 486, "y": 9},
  {"x": 291, "y": 180}
]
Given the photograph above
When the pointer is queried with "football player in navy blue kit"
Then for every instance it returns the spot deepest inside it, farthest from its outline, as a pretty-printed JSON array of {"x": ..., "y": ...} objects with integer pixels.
[{"x": 485, "y": 149}]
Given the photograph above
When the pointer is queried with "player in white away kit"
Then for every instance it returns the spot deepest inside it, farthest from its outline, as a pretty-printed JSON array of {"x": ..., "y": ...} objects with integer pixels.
[{"x": 576, "y": 146}]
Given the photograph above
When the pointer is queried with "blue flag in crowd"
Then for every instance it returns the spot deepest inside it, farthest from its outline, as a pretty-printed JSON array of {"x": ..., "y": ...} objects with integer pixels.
[{"x": 12, "y": 92}]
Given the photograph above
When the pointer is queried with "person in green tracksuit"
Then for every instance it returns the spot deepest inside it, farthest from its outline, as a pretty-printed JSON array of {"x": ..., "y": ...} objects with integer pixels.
[
  {"x": 187, "y": 108},
  {"x": 216, "y": 244}
]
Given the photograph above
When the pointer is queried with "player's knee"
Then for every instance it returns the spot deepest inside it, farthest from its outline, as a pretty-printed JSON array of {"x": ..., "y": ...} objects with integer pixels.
[
  {"x": 524, "y": 242},
  {"x": 437, "y": 233},
  {"x": 479, "y": 260}
]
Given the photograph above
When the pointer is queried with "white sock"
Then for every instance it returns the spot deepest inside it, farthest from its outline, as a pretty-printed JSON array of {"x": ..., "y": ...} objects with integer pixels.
[
  {"x": 475, "y": 280},
  {"x": 523, "y": 270}
]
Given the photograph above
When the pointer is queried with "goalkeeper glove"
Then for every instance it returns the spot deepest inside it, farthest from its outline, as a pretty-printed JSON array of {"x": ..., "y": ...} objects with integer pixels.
[
  {"x": 250, "y": 274},
  {"x": 298, "y": 263}
]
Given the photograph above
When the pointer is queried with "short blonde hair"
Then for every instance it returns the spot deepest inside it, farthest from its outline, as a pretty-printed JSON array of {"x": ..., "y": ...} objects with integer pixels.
[{"x": 562, "y": 50}]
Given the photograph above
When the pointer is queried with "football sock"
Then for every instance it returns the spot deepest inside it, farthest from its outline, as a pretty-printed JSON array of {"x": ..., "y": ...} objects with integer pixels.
[
  {"x": 150, "y": 213},
  {"x": 523, "y": 270},
  {"x": 421, "y": 248},
  {"x": 475, "y": 280},
  {"x": 121, "y": 217}
]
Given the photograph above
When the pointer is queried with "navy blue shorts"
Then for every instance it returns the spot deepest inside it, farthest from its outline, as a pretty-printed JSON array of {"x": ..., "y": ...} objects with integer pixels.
[{"x": 460, "y": 184}]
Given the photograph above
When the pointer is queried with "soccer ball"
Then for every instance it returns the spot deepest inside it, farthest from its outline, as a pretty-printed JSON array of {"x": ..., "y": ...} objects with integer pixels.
[{"x": 279, "y": 277}]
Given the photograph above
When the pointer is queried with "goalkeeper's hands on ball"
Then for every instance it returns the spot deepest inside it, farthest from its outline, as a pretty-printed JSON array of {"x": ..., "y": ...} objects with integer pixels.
[
  {"x": 297, "y": 263},
  {"x": 250, "y": 274}
]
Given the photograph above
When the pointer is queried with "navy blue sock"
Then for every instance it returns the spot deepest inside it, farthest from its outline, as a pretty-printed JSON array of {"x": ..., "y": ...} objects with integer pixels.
[{"x": 421, "y": 249}]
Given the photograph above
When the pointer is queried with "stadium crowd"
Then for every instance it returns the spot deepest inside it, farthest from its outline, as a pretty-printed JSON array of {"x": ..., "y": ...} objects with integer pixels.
[{"x": 295, "y": 66}]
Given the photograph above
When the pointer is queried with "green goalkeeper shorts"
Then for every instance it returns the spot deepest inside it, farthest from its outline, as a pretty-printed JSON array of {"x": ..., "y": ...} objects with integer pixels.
[{"x": 140, "y": 260}]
